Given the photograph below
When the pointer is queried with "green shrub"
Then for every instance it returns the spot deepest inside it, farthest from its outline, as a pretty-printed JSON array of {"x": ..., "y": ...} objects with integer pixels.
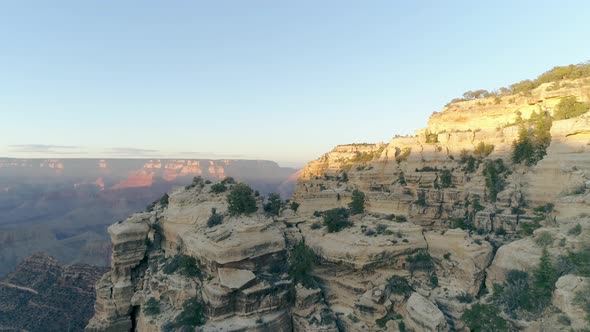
[
  {"x": 316, "y": 225},
  {"x": 301, "y": 261},
  {"x": 192, "y": 315},
  {"x": 527, "y": 228},
  {"x": 500, "y": 231},
  {"x": 295, "y": 206},
  {"x": 241, "y": 200},
  {"x": 532, "y": 142},
  {"x": 400, "y": 218},
  {"x": 402, "y": 155},
  {"x": 544, "y": 239},
  {"x": 483, "y": 150},
  {"x": 420, "y": 261},
  {"x": 273, "y": 204},
  {"x": 446, "y": 178},
  {"x": 228, "y": 180},
  {"x": 544, "y": 278},
  {"x": 151, "y": 307},
  {"x": 583, "y": 299},
  {"x": 184, "y": 265},
  {"x": 569, "y": 107},
  {"x": 575, "y": 231},
  {"x": 357, "y": 205},
  {"x": 494, "y": 180},
  {"x": 336, "y": 219},
  {"x": 215, "y": 218},
  {"x": 421, "y": 201},
  {"x": 399, "y": 285},
  {"x": 402, "y": 179},
  {"x": 464, "y": 298},
  {"x": 218, "y": 188},
  {"x": 484, "y": 318}
]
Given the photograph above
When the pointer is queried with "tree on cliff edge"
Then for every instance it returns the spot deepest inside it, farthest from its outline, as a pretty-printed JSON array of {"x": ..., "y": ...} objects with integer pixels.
[{"x": 241, "y": 200}]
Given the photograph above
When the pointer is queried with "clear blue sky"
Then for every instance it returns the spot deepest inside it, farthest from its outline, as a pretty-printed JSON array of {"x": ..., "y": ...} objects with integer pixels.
[{"x": 280, "y": 80}]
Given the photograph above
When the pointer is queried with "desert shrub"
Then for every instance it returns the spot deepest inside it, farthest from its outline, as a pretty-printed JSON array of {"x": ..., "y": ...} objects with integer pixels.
[
  {"x": 576, "y": 230},
  {"x": 578, "y": 262},
  {"x": 273, "y": 204},
  {"x": 483, "y": 150},
  {"x": 447, "y": 256},
  {"x": 485, "y": 318},
  {"x": 583, "y": 299},
  {"x": 569, "y": 107},
  {"x": 400, "y": 218},
  {"x": 431, "y": 138},
  {"x": 215, "y": 218},
  {"x": 421, "y": 201},
  {"x": 544, "y": 239},
  {"x": 399, "y": 285},
  {"x": 358, "y": 202},
  {"x": 184, "y": 265},
  {"x": 446, "y": 178},
  {"x": 532, "y": 142},
  {"x": 527, "y": 228},
  {"x": 192, "y": 315},
  {"x": 514, "y": 294},
  {"x": 316, "y": 225},
  {"x": 461, "y": 223},
  {"x": 208, "y": 182},
  {"x": 420, "y": 261},
  {"x": 544, "y": 278},
  {"x": 151, "y": 307},
  {"x": 500, "y": 231},
  {"x": 369, "y": 232},
  {"x": 197, "y": 182},
  {"x": 218, "y": 188},
  {"x": 301, "y": 260},
  {"x": 464, "y": 298},
  {"x": 343, "y": 177},
  {"x": 401, "y": 326},
  {"x": 494, "y": 180},
  {"x": 241, "y": 200},
  {"x": 295, "y": 206},
  {"x": 228, "y": 180},
  {"x": 336, "y": 219},
  {"x": 402, "y": 179},
  {"x": 402, "y": 155}
]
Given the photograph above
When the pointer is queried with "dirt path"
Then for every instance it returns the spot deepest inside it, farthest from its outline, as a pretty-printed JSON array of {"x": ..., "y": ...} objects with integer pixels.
[{"x": 27, "y": 289}]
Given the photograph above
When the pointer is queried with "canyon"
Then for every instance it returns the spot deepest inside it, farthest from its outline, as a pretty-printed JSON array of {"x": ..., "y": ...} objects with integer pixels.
[
  {"x": 449, "y": 220},
  {"x": 64, "y": 206}
]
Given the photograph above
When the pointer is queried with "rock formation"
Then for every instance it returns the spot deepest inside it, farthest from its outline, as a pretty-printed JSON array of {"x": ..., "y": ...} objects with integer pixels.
[{"x": 449, "y": 219}]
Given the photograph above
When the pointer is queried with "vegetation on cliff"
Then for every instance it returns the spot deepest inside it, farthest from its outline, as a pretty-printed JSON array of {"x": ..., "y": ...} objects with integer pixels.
[
  {"x": 241, "y": 200},
  {"x": 554, "y": 75}
]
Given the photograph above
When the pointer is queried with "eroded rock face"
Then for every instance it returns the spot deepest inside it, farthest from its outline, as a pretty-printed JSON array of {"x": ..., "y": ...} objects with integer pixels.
[
  {"x": 564, "y": 296},
  {"x": 424, "y": 315},
  {"x": 461, "y": 260},
  {"x": 416, "y": 257}
]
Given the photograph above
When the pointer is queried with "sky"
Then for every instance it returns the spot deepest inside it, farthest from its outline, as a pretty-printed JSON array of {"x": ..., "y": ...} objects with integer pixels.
[{"x": 277, "y": 80}]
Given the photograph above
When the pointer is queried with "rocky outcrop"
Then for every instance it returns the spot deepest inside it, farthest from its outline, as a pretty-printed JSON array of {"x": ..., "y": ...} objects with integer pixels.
[
  {"x": 566, "y": 289},
  {"x": 423, "y": 315},
  {"x": 446, "y": 213}
]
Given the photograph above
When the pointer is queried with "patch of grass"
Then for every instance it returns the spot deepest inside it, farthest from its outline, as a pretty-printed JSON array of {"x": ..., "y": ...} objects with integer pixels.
[{"x": 544, "y": 239}]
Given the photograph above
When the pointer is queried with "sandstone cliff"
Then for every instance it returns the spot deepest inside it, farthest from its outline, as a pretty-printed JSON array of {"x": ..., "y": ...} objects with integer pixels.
[{"x": 449, "y": 219}]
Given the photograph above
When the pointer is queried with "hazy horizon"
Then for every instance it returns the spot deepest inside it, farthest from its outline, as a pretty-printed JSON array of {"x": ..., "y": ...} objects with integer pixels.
[{"x": 257, "y": 80}]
